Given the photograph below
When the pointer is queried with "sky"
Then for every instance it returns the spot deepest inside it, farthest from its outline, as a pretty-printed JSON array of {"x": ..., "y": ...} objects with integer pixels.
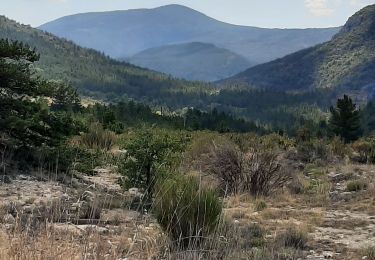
[{"x": 261, "y": 13}]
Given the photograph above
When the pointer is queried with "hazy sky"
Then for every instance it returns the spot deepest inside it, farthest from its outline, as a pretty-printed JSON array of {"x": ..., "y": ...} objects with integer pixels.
[{"x": 262, "y": 13}]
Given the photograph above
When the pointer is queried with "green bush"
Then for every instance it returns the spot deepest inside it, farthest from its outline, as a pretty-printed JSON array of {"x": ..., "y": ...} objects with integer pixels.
[
  {"x": 276, "y": 141},
  {"x": 365, "y": 148},
  {"x": 252, "y": 236},
  {"x": 312, "y": 151},
  {"x": 356, "y": 185},
  {"x": 97, "y": 138},
  {"x": 293, "y": 238},
  {"x": 260, "y": 205},
  {"x": 186, "y": 211},
  {"x": 150, "y": 153}
]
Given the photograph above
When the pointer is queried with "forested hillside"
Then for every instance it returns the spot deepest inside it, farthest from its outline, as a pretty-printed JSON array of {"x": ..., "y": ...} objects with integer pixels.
[
  {"x": 192, "y": 61},
  {"x": 100, "y": 77},
  {"x": 94, "y": 73},
  {"x": 345, "y": 64}
]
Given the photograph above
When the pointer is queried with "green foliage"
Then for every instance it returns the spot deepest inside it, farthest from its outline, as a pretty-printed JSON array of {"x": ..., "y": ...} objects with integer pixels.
[
  {"x": 260, "y": 205},
  {"x": 124, "y": 114},
  {"x": 97, "y": 138},
  {"x": 25, "y": 115},
  {"x": 150, "y": 153},
  {"x": 252, "y": 235},
  {"x": 186, "y": 211},
  {"x": 345, "y": 119},
  {"x": 315, "y": 150},
  {"x": 100, "y": 77},
  {"x": 356, "y": 185},
  {"x": 344, "y": 63},
  {"x": 365, "y": 147}
]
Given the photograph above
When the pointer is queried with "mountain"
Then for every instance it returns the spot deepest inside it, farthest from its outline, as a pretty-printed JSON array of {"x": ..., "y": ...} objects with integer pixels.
[
  {"x": 98, "y": 76},
  {"x": 344, "y": 64},
  {"x": 122, "y": 34},
  {"x": 192, "y": 61},
  {"x": 93, "y": 73}
]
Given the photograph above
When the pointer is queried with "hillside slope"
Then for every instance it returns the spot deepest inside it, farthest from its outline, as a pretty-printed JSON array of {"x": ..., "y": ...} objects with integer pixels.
[
  {"x": 192, "y": 61},
  {"x": 123, "y": 34},
  {"x": 90, "y": 71},
  {"x": 346, "y": 63}
]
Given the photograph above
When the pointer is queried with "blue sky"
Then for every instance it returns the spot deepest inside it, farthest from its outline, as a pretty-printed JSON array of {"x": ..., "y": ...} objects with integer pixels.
[{"x": 262, "y": 13}]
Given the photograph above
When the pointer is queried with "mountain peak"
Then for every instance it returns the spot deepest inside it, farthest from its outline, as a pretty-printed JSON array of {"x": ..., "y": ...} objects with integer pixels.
[
  {"x": 175, "y": 6},
  {"x": 361, "y": 23}
]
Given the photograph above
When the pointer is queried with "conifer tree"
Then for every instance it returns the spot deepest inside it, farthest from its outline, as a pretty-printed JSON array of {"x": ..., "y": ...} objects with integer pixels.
[
  {"x": 345, "y": 119},
  {"x": 33, "y": 111}
]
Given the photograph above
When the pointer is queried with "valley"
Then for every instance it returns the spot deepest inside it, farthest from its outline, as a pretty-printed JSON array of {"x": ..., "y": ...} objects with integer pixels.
[{"x": 162, "y": 133}]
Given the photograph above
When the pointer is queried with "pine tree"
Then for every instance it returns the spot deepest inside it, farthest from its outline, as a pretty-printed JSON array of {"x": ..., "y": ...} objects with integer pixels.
[
  {"x": 33, "y": 111},
  {"x": 345, "y": 119}
]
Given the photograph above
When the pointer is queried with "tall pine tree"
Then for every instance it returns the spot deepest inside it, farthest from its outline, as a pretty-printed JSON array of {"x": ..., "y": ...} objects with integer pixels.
[
  {"x": 33, "y": 111},
  {"x": 345, "y": 120}
]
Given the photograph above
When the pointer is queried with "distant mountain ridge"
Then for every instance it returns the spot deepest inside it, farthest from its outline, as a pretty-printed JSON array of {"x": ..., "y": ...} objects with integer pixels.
[
  {"x": 192, "y": 61},
  {"x": 344, "y": 64},
  {"x": 123, "y": 34},
  {"x": 93, "y": 73}
]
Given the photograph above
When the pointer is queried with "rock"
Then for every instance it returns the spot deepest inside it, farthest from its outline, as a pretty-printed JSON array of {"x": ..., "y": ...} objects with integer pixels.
[
  {"x": 23, "y": 177},
  {"x": 341, "y": 196},
  {"x": 101, "y": 171},
  {"x": 9, "y": 219},
  {"x": 336, "y": 177},
  {"x": 134, "y": 191},
  {"x": 301, "y": 166},
  {"x": 65, "y": 197},
  {"x": 63, "y": 228},
  {"x": 327, "y": 255},
  {"x": 100, "y": 230},
  {"x": 28, "y": 209}
]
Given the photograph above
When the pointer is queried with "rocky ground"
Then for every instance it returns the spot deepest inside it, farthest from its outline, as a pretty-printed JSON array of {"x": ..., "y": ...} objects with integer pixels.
[
  {"x": 86, "y": 218},
  {"x": 340, "y": 223},
  {"x": 82, "y": 218}
]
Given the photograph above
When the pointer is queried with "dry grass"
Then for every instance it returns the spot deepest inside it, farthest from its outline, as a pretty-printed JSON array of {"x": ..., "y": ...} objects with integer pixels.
[{"x": 67, "y": 241}]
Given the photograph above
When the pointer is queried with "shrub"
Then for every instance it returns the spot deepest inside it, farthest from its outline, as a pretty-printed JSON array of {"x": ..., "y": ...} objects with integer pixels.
[
  {"x": 257, "y": 171},
  {"x": 369, "y": 253},
  {"x": 365, "y": 149},
  {"x": 252, "y": 236},
  {"x": 149, "y": 155},
  {"x": 260, "y": 205},
  {"x": 186, "y": 211},
  {"x": 98, "y": 138},
  {"x": 225, "y": 162},
  {"x": 338, "y": 147},
  {"x": 293, "y": 238},
  {"x": 276, "y": 141},
  {"x": 312, "y": 150},
  {"x": 356, "y": 185},
  {"x": 262, "y": 172}
]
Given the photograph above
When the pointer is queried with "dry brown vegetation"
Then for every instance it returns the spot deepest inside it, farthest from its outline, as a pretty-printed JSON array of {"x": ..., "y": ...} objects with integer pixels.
[{"x": 275, "y": 206}]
